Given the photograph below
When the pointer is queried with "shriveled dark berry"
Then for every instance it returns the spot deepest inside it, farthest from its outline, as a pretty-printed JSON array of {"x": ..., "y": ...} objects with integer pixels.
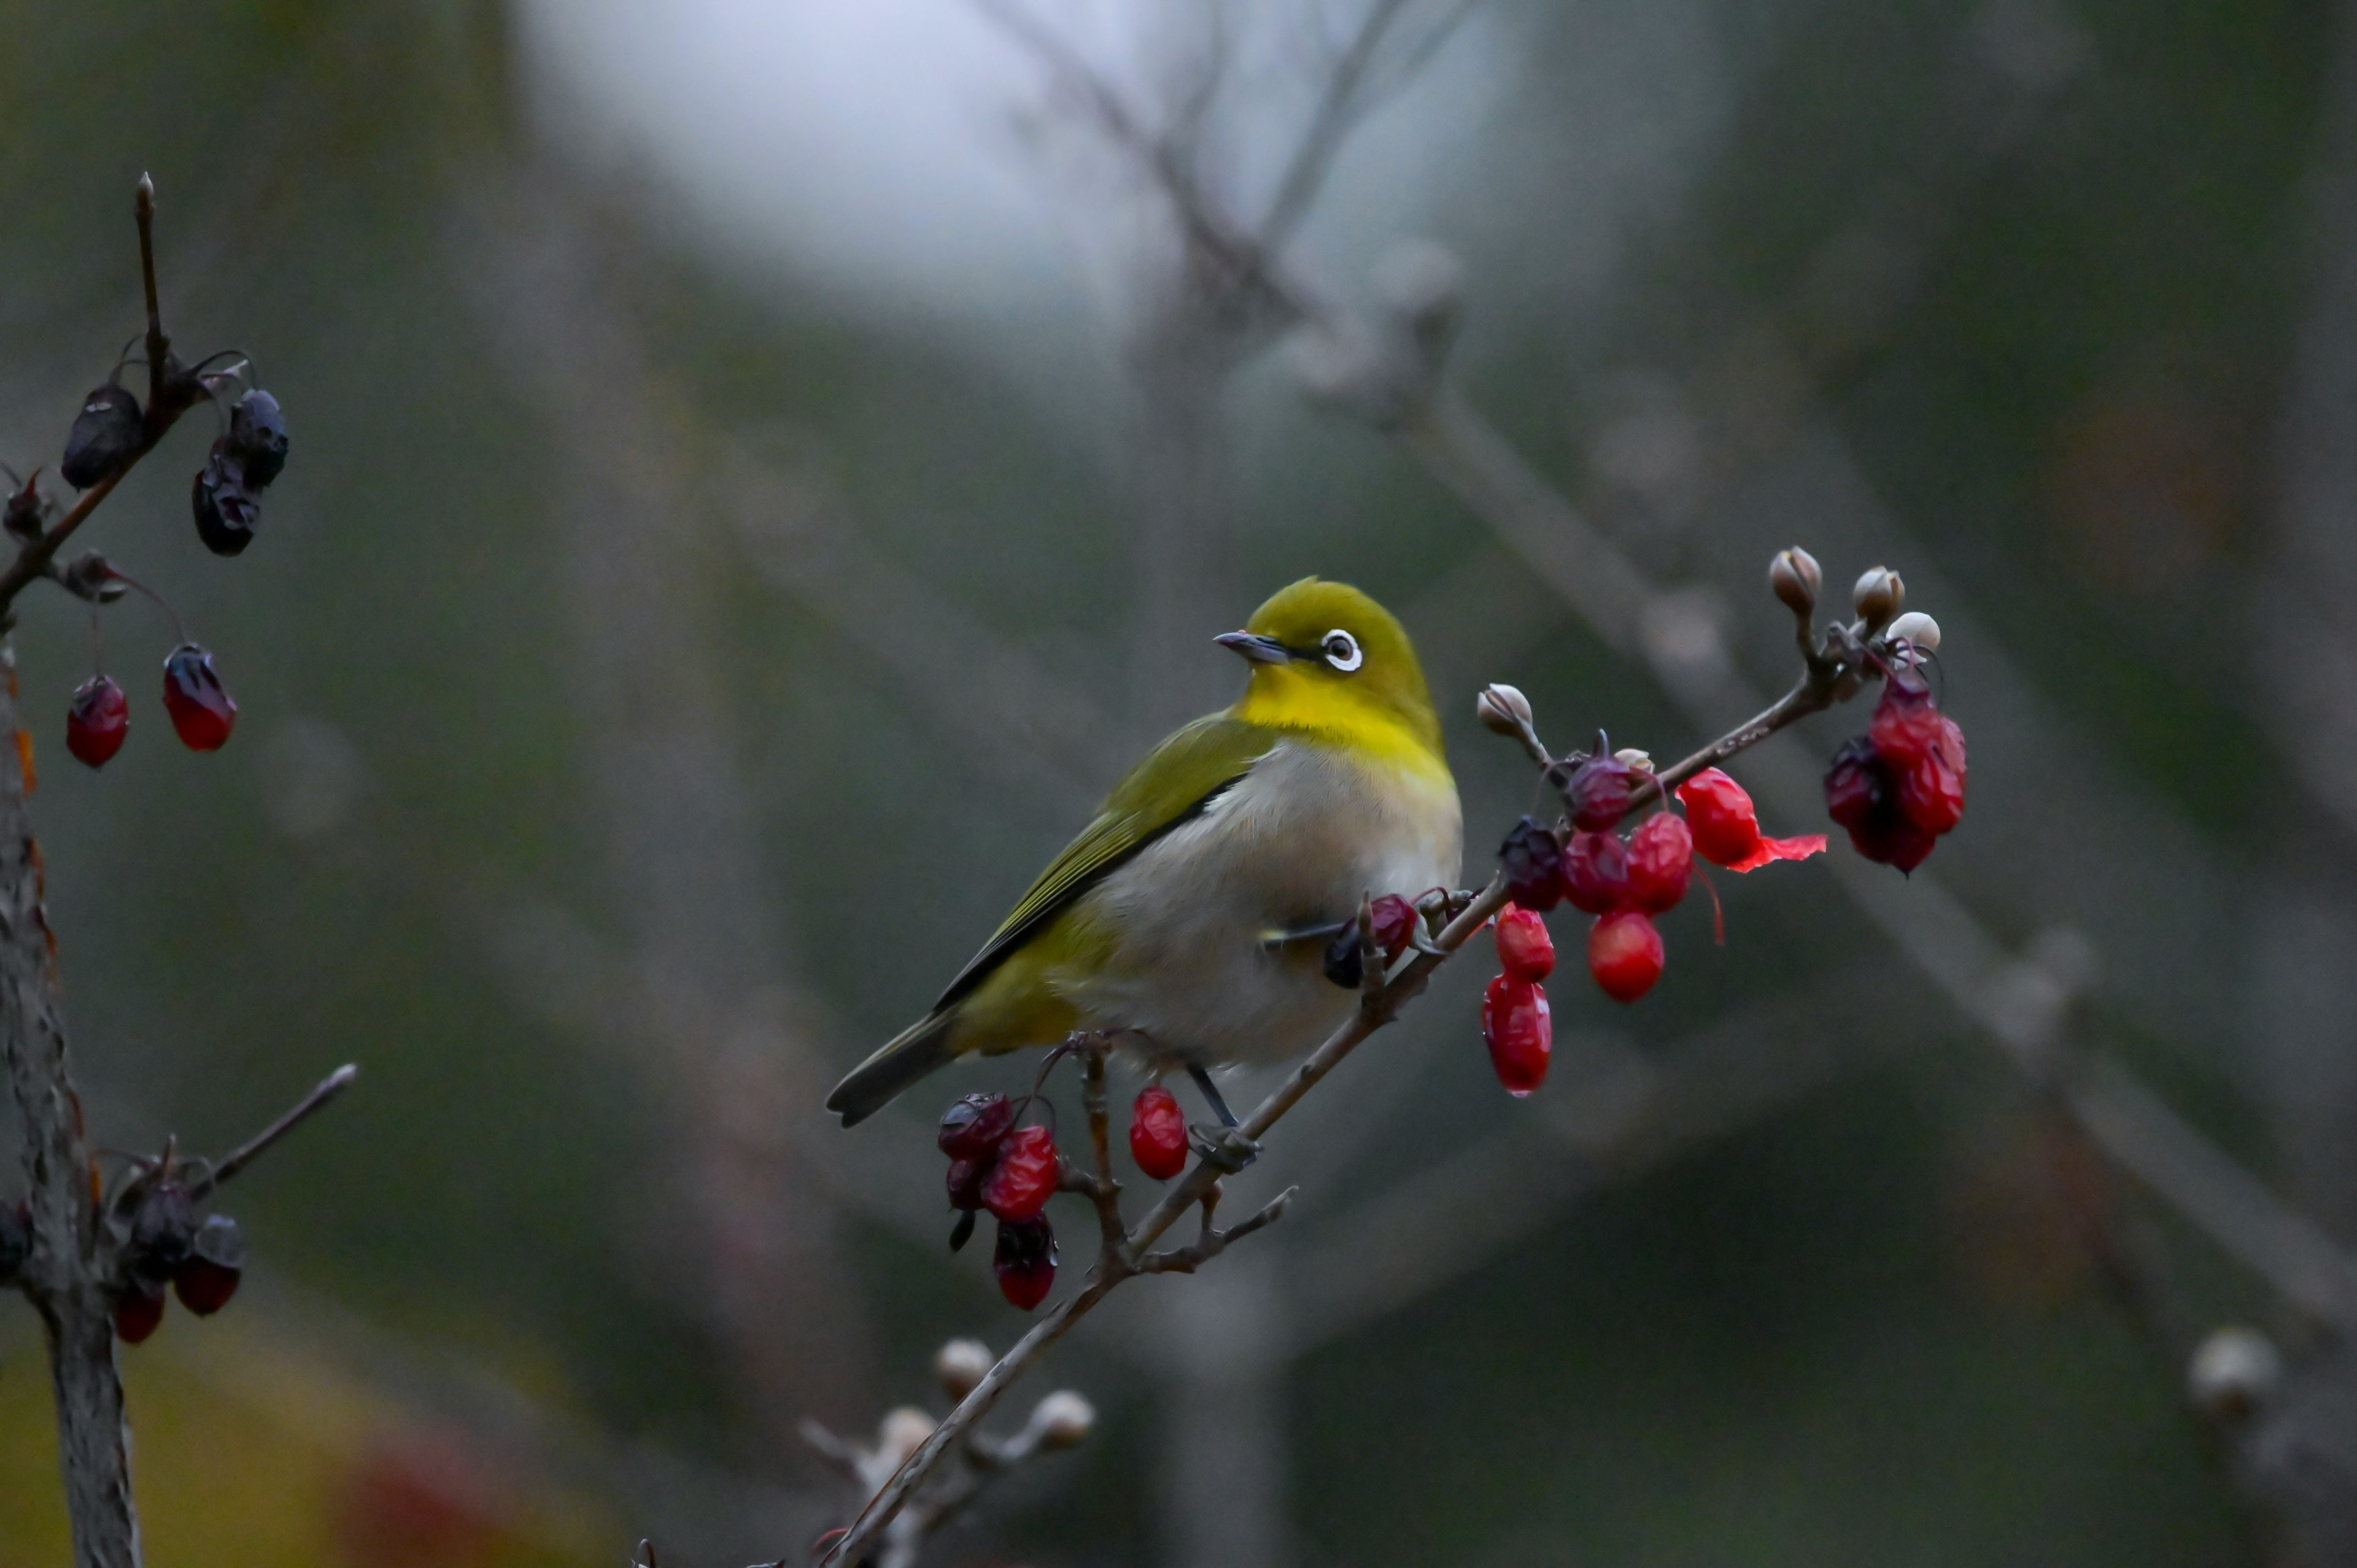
[
  {"x": 1862, "y": 796},
  {"x": 216, "y": 1264},
  {"x": 224, "y": 504},
  {"x": 202, "y": 712},
  {"x": 1598, "y": 792},
  {"x": 257, "y": 437},
  {"x": 1596, "y": 872},
  {"x": 105, "y": 437},
  {"x": 1344, "y": 964},
  {"x": 1531, "y": 860},
  {"x": 971, "y": 1129},
  {"x": 162, "y": 1232},
  {"x": 964, "y": 1182},
  {"x": 25, "y": 517},
  {"x": 1395, "y": 921},
  {"x": 1025, "y": 1261},
  {"x": 97, "y": 719}
]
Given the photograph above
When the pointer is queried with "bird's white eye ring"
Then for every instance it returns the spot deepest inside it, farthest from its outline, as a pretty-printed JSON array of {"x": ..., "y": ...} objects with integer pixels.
[{"x": 1341, "y": 650}]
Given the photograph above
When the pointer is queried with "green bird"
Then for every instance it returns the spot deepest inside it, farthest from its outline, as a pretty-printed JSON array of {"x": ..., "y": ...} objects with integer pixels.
[{"x": 1181, "y": 918}]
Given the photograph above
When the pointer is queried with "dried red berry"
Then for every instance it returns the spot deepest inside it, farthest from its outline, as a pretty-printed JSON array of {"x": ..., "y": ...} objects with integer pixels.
[
  {"x": 1906, "y": 722},
  {"x": 97, "y": 720},
  {"x": 1596, "y": 872},
  {"x": 1661, "y": 862},
  {"x": 1395, "y": 920},
  {"x": 1726, "y": 826},
  {"x": 1862, "y": 796},
  {"x": 1519, "y": 1031},
  {"x": 971, "y": 1129},
  {"x": 1531, "y": 860},
  {"x": 138, "y": 1313},
  {"x": 964, "y": 1183},
  {"x": 1598, "y": 792},
  {"x": 105, "y": 435},
  {"x": 1157, "y": 1134},
  {"x": 1624, "y": 954},
  {"x": 201, "y": 710},
  {"x": 162, "y": 1232},
  {"x": 1025, "y": 1261},
  {"x": 1932, "y": 793},
  {"x": 1524, "y": 946},
  {"x": 216, "y": 1262},
  {"x": 1020, "y": 1184}
]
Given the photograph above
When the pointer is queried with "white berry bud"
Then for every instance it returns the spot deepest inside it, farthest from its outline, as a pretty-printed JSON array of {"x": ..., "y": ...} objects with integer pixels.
[
  {"x": 1063, "y": 1419},
  {"x": 961, "y": 1365},
  {"x": 1642, "y": 761},
  {"x": 1917, "y": 629},
  {"x": 1877, "y": 596},
  {"x": 2233, "y": 1373},
  {"x": 1794, "y": 577},
  {"x": 1503, "y": 709},
  {"x": 904, "y": 1432}
]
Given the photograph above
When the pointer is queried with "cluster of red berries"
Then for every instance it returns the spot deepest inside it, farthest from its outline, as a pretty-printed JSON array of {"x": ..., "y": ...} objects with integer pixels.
[
  {"x": 98, "y": 719},
  {"x": 1516, "y": 1022},
  {"x": 1900, "y": 787},
  {"x": 166, "y": 1245},
  {"x": 1011, "y": 1171}
]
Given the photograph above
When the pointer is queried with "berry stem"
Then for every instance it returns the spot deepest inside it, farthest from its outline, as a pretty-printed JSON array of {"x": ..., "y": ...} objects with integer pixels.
[
  {"x": 160, "y": 602},
  {"x": 159, "y": 347}
]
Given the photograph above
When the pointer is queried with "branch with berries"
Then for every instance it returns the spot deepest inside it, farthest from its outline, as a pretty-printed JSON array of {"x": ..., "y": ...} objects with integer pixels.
[
  {"x": 1005, "y": 1161},
  {"x": 98, "y": 1255}
]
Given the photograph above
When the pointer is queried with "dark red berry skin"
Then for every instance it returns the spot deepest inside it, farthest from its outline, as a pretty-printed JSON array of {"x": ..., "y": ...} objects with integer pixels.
[
  {"x": 224, "y": 506},
  {"x": 1531, "y": 860},
  {"x": 1595, "y": 873},
  {"x": 97, "y": 721},
  {"x": 1661, "y": 862},
  {"x": 1520, "y": 1032},
  {"x": 1525, "y": 950},
  {"x": 1025, "y": 1261},
  {"x": 204, "y": 1286},
  {"x": 1020, "y": 1184},
  {"x": 1395, "y": 920},
  {"x": 971, "y": 1128},
  {"x": 105, "y": 435},
  {"x": 965, "y": 1179},
  {"x": 1862, "y": 796},
  {"x": 202, "y": 712},
  {"x": 1157, "y": 1134},
  {"x": 1598, "y": 792},
  {"x": 1624, "y": 955},
  {"x": 1906, "y": 722},
  {"x": 137, "y": 1314}
]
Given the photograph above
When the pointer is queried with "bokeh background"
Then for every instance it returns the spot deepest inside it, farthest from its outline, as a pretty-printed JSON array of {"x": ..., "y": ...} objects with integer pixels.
[{"x": 762, "y": 467}]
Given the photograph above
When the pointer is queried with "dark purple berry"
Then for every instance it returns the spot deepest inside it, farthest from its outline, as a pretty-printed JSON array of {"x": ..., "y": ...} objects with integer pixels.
[
  {"x": 972, "y": 1128},
  {"x": 106, "y": 436},
  {"x": 1531, "y": 860},
  {"x": 257, "y": 437}
]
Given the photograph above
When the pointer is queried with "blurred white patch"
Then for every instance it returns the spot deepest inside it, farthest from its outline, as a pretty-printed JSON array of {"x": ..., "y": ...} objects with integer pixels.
[{"x": 314, "y": 778}]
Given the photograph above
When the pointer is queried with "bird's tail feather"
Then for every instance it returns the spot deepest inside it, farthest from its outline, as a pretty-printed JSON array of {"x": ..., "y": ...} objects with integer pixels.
[{"x": 908, "y": 1056}]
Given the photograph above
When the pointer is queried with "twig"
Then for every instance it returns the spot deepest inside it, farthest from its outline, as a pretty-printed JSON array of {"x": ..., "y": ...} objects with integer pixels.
[
  {"x": 303, "y": 1109},
  {"x": 1336, "y": 112}
]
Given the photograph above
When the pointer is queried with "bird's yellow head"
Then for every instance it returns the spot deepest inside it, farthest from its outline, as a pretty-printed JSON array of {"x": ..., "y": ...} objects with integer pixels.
[{"x": 1324, "y": 656}]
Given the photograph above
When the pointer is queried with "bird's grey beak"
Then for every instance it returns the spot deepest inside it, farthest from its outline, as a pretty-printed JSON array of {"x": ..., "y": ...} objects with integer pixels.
[{"x": 1259, "y": 649}]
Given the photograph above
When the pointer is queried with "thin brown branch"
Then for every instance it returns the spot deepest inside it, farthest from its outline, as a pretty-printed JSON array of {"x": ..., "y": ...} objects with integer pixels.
[
  {"x": 1337, "y": 112},
  {"x": 253, "y": 1148}
]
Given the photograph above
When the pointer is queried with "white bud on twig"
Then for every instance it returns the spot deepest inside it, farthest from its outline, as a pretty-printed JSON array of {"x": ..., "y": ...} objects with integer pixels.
[
  {"x": 1642, "y": 760},
  {"x": 1877, "y": 596},
  {"x": 961, "y": 1365},
  {"x": 2233, "y": 1373},
  {"x": 1503, "y": 708},
  {"x": 903, "y": 1432},
  {"x": 1063, "y": 1419},
  {"x": 1916, "y": 630}
]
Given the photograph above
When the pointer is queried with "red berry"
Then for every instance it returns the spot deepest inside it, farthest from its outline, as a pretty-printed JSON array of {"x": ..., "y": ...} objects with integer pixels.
[
  {"x": 1661, "y": 862},
  {"x": 1624, "y": 954},
  {"x": 1725, "y": 824},
  {"x": 216, "y": 1262},
  {"x": 97, "y": 720},
  {"x": 1931, "y": 794},
  {"x": 1524, "y": 945},
  {"x": 1394, "y": 919},
  {"x": 1531, "y": 860},
  {"x": 1025, "y": 1261},
  {"x": 201, "y": 711},
  {"x": 1598, "y": 792},
  {"x": 1157, "y": 1134},
  {"x": 1596, "y": 872},
  {"x": 964, "y": 1183},
  {"x": 1519, "y": 1031},
  {"x": 1020, "y": 1184},
  {"x": 971, "y": 1128},
  {"x": 138, "y": 1312},
  {"x": 1906, "y": 722},
  {"x": 1862, "y": 795}
]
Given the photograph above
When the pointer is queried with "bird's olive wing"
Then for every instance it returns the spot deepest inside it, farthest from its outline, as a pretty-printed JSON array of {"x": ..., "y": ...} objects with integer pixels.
[{"x": 1174, "y": 783}]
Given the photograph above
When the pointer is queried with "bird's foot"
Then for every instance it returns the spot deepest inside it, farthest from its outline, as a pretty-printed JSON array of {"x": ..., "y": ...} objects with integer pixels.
[{"x": 1224, "y": 1149}]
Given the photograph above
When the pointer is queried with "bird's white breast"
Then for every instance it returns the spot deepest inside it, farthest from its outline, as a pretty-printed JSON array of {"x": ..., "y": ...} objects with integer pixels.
[{"x": 1297, "y": 843}]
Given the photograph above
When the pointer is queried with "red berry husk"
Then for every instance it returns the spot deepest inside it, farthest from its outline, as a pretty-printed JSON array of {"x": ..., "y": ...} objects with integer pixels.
[
  {"x": 1624, "y": 954},
  {"x": 1661, "y": 862},
  {"x": 1931, "y": 794},
  {"x": 1157, "y": 1132},
  {"x": 1595, "y": 873},
  {"x": 138, "y": 1313},
  {"x": 1906, "y": 722},
  {"x": 964, "y": 1183},
  {"x": 97, "y": 720},
  {"x": 1598, "y": 792},
  {"x": 1020, "y": 1184},
  {"x": 201, "y": 710},
  {"x": 1531, "y": 860},
  {"x": 1025, "y": 1261},
  {"x": 1520, "y": 1032},
  {"x": 1894, "y": 841},
  {"x": 1719, "y": 814},
  {"x": 1393, "y": 919},
  {"x": 971, "y": 1129},
  {"x": 1862, "y": 796},
  {"x": 1524, "y": 948}
]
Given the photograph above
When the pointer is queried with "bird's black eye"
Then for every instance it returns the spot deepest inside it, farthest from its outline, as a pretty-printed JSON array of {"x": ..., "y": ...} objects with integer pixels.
[{"x": 1341, "y": 650}]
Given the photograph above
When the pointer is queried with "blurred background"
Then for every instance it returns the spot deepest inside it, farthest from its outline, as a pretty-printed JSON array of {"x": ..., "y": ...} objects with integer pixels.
[{"x": 762, "y": 467}]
